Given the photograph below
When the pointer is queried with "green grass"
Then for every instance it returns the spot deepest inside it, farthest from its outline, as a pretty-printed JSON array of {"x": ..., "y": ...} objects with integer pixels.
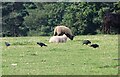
[{"x": 70, "y": 58}]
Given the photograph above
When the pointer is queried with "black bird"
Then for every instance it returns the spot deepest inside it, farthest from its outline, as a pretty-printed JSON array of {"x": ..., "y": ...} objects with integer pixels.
[
  {"x": 41, "y": 44},
  {"x": 7, "y": 44},
  {"x": 86, "y": 42},
  {"x": 94, "y": 45}
]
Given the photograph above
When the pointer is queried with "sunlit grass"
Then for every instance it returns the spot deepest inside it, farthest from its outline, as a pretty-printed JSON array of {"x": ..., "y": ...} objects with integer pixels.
[{"x": 70, "y": 58}]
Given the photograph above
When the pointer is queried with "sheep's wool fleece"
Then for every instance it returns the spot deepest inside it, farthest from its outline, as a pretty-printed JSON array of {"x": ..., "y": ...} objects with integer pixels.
[
  {"x": 64, "y": 29},
  {"x": 58, "y": 39}
]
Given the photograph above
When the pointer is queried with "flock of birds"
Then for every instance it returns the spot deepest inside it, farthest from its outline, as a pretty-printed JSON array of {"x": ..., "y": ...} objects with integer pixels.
[
  {"x": 39, "y": 43},
  {"x": 86, "y": 42}
]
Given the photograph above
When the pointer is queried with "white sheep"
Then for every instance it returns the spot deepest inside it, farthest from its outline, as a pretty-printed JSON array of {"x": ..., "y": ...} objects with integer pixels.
[{"x": 58, "y": 39}]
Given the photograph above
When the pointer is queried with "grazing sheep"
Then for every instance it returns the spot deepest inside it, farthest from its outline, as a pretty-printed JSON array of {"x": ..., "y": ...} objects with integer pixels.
[
  {"x": 58, "y": 39},
  {"x": 94, "y": 45},
  {"x": 86, "y": 42},
  {"x": 7, "y": 44},
  {"x": 60, "y": 30},
  {"x": 41, "y": 44}
]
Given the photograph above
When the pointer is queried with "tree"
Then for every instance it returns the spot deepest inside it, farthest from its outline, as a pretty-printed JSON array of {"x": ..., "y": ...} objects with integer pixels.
[
  {"x": 21, "y": 19},
  {"x": 13, "y": 14}
]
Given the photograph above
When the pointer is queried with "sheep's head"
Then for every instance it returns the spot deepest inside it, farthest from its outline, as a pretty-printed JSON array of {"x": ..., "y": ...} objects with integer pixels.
[{"x": 71, "y": 37}]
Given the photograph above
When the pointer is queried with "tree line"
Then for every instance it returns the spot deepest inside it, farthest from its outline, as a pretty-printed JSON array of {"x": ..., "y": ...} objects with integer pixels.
[{"x": 40, "y": 18}]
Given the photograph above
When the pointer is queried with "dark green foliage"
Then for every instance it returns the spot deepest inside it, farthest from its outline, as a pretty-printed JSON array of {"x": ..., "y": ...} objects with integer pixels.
[
  {"x": 13, "y": 14},
  {"x": 22, "y": 19}
]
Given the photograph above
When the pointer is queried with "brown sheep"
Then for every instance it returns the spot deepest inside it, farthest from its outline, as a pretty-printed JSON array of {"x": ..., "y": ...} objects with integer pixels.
[
  {"x": 111, "y": 20},
  {"x": 60, "y": 30}
]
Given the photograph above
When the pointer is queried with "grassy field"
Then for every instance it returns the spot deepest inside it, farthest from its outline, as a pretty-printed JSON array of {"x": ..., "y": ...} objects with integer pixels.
[{"x": 25, "y": 57}]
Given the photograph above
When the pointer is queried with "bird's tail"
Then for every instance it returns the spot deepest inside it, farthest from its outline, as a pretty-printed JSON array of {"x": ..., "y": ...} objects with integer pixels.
[{"x": 46, "y": 45}]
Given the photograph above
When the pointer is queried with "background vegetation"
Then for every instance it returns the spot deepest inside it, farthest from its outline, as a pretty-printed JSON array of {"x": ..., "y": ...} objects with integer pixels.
[{"x": 36, "y": 18}]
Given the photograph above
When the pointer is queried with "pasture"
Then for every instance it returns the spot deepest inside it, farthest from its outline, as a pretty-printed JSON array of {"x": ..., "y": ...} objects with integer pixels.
[{"x": 25, "y": 57}]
